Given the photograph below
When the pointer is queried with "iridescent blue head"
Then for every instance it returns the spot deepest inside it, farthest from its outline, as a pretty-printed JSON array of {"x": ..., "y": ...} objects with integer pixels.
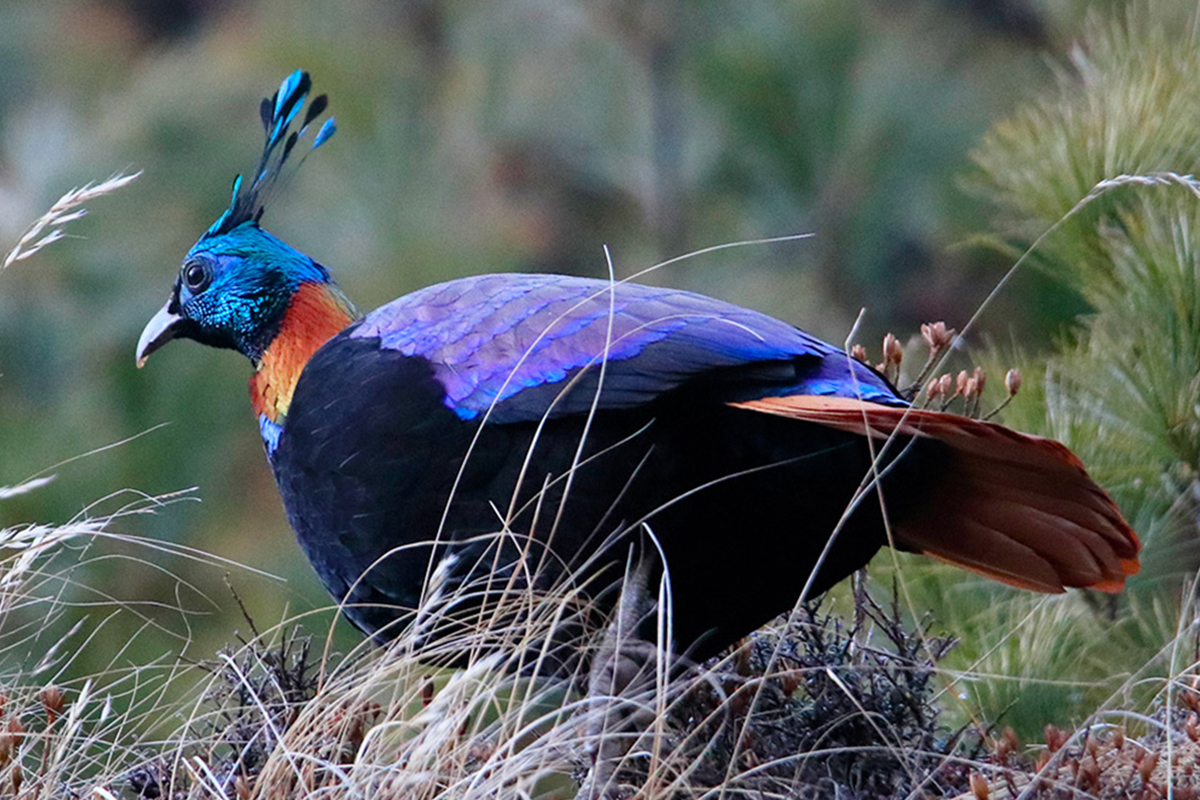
[{"x": 237, "y": 282}]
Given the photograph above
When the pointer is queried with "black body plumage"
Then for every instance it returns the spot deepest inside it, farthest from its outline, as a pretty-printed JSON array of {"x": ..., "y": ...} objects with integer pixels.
[{"x": 742, "y": 504}]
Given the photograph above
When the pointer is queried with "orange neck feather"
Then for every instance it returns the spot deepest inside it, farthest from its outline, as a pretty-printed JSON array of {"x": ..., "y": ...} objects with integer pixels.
[{"x": 316, "y": 314}]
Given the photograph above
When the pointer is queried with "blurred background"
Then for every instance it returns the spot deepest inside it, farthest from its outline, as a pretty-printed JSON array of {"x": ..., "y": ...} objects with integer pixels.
[{"x": 473, "y": 137}]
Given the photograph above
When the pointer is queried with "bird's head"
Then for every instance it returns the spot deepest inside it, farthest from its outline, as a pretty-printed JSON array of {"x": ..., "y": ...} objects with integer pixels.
[
  {"x": 232, "y": 291},
  {"x": 237, "y": 283}
]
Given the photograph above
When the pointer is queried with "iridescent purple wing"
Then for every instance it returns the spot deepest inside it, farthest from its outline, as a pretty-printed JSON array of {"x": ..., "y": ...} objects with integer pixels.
[{"x": 522, "y": 346}]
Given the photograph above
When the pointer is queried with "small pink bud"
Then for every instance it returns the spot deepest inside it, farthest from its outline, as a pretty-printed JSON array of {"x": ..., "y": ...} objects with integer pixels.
[
  {"x": 1012, "y": 381},
  {"x": 960, "y": 382},
  {"x": 859, "y": 353},
  {"x": 893, "y": 353},
  {"x": 52, "y": 700},
  {"x": 1054, "y": 737}
]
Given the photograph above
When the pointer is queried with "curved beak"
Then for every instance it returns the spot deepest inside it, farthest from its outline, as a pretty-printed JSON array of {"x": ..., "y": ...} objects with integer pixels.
[{"x": 162, "y": 328}]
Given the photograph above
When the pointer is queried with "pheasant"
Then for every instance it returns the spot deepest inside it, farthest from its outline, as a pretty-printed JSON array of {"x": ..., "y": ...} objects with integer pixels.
[{"x": 517, "y": 431}]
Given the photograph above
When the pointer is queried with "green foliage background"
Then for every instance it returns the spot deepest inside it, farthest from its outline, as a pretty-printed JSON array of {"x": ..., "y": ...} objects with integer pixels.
[{"x": 528, "y": 134}]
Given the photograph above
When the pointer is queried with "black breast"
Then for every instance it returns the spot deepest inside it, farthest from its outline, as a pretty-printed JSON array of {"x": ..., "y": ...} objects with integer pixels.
[{"x": 391, "y": 494}]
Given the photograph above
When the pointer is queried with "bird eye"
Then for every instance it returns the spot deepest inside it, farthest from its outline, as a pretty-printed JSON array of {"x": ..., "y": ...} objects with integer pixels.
[{"x": 196, "y": 276}]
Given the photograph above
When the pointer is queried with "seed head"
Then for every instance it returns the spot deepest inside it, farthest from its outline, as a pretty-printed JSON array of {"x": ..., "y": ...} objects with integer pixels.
[
  {"x": 859, "y": 353},
  {"x": 1147, "y": 765},
  {"x": 937, "y": 336},
  {"x": 1055, "y": 738},
  {"x": 1088, "y": 774},
  {"x": 1009, "y": 737},
  {"x": 893, "y": 353},
  {"x": 979, "y": 786},
  {"x": 52, "y": 700},
  {"x": 892, "y": 356}
]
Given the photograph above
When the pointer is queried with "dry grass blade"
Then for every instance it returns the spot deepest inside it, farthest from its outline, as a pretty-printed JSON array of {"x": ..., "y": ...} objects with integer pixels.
[
  {"x": 24, "y": 487},
  {"x": 839, "y": 704},
  {"x": 51, "y": 226},
  {"x": 57, "y": 730}
]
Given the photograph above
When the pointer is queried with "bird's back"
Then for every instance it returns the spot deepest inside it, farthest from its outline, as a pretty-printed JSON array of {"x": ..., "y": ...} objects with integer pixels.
[{"x": 517, "y": 347}]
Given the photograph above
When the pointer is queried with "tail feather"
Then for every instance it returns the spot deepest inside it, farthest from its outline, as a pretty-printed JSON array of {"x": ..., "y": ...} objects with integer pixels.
[
  {"x": 1014, "y": 507},
  {"x": 1084, "y": 504}
]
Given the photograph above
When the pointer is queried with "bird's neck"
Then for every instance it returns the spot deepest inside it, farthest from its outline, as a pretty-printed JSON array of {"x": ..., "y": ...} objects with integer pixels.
[{"x": 317, "y": 312}]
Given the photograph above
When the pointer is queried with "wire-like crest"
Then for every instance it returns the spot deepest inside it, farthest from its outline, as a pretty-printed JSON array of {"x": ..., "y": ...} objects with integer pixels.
[{"x": 277, "y": 112}]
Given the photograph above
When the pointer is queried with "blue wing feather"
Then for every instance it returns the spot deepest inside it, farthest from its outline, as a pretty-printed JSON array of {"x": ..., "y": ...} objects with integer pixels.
[{"x": 512, "y": 341}]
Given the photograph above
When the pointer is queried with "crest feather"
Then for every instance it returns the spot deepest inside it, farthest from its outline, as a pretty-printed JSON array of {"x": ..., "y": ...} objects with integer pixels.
[{"x": 277, "y": 113}]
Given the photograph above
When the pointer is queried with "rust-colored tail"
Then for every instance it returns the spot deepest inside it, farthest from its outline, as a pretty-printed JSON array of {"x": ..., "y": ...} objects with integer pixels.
[{"x": 1014, "y": 507}]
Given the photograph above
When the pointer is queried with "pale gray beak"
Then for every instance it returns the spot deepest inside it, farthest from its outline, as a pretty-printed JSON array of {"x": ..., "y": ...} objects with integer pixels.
[{"x": 161, "y": 329}]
